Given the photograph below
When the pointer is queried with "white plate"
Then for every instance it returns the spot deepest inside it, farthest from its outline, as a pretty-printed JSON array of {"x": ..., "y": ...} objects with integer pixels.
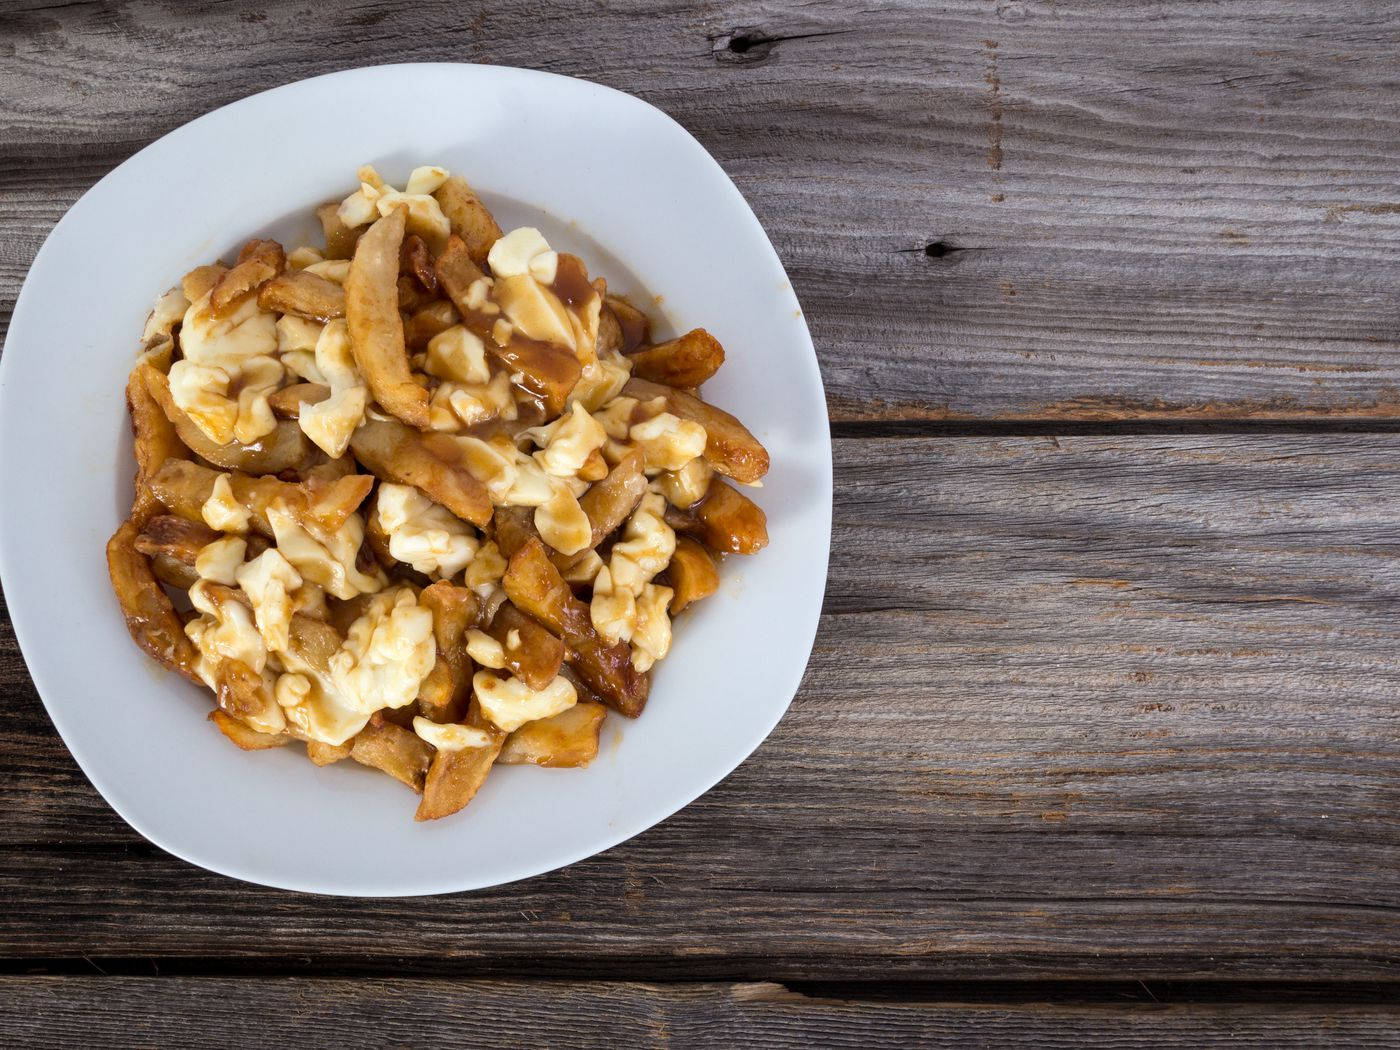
[{"x": 601, "y": 173}]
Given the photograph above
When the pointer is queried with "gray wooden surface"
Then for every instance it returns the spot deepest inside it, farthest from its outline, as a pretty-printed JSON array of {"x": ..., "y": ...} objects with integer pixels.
[{"x": 1095, "y": 696}]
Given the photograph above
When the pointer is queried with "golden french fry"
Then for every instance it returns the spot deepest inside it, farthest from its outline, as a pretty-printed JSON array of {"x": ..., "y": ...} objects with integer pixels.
[
  {"x": 692, "y": 573},
  {"x": 633, "y": 325},
  {"x": 174, "y": 572},
  {"x": 730, "y": 522},
  {"x": 400, "y": 454},
  {"x": 457, "y": 270},
  {"x": 243, "y": 694},
  {"x": 287, "y": 402},
  {"x": 200, "y": 281},
  {"x": 394, "y": 750},
  {"x": 175, "y": 537},
  {"x": 184, "y": 487},
  {"x": 439, "y": 699},
  {"x": 340, "y": 239},
  {"x": 411, "y": 296},
  {"x": 533, "y": 654},
  {"x": 684, "y": 362},
  {"x": 150, "y": 618},
  {"x": 258, "y": 263},
  {"x": 568, "y": 739},
  {"x": 469, "y": 218},
  {"x": 304, "y": 294},
  {"x": 286, "y": 448},
  {"x": 327, "y": 754},
  {"x": 376, "y": 330},
  {"x": 243, "y": 737},
  {"x": 536, "y": 587},
  {"x": 545, "y": 371},
  {"x": 609, "y": 333},
  {"x": 608, "y": 502},
  {"x": 513, "y": 527},
  {"x": 455, "y": 776},
  {"x": 730, "y": 448},
  {"x": 153, "y": 435}
]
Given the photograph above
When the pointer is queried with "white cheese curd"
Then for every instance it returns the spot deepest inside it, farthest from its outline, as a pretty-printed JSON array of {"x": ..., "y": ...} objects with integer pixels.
[
  {"x": 222, "y": 512},
  {"x": 510, "y": 703},
  {"x": 422, "y": 533},
  {"x": 450, "y": 737},
  {"x": 323, "y": 557}
]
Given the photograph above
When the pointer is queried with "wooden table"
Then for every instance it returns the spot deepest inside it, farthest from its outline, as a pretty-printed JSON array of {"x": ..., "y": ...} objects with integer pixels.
[{"x": 1100, "y": 737}]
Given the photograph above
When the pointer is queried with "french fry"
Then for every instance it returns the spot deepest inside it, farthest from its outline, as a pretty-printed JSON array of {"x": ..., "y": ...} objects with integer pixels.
[
  {"x": 439, "y": 699},
  {"x": 304, "y": 294},
  {"x": 469, "y": 218},
  {"x": 175, "y": 537},
  {"x": 609, "y": 333},
  {"x": 184, "y": 487},
  {"x": 173, "y": 572},
  {"x": 394, "y": 750},
  {"x": 533, "y": 654},
  {"x": 634, "y": 326},
  {"x": 399, "y": 454},
  {"x": 608, "y": 503},
  {"x": 684, "y": 362},
  {"x": 536, "y": 587},
  {"x": 376, "y": 330},
  {"x": 286, "y": 448},
  {"x": 411, "y": 296},
  {"x": 692, "y": 573},
  {"x": 433, "y": 319},
  {"x": 327, "y": 754},
  {"x": 200, "y": 281},
  {"x": 513, "y": 527},
  {"x": 415, "y": 259},
  {"x": 153, "y": 435},
  {"x": 457, "y": 270},
  {"x": 730, "y": 522},
  {"x": 730, "y": 449},
  {"x": 454, "y": 777},
  {"x": 150, "y": 618},
  {"x": 545, "y": 371},
  {"x": 243, "y": 737},
  {"x": 340, "y": 239},
  {"x": 566, "y": 740},
  {"x": 287, "y": 402},
  {"x": 258, "y": 263}
]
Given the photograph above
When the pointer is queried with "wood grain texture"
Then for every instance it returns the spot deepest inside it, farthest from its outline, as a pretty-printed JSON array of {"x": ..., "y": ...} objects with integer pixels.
[
  {"x": 215, "y": 1013},
  {"x": 1131, "y": 209},
  {"x": 1090, "y": 707}
]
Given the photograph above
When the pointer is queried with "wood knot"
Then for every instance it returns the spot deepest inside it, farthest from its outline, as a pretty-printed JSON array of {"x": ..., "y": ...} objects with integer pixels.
[{"x": 744, "y": 45}]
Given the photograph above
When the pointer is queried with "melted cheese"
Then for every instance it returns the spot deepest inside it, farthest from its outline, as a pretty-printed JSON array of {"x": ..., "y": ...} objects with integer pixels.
[
  {"x": 510, "y": 703},
  {"x": 423, "y": 534}
]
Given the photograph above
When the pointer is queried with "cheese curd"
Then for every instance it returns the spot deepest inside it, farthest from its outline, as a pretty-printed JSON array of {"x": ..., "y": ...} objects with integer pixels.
[
  {"x": 561, "y": 522},
  {"x": 667, "y": 441},
  {"x": 651, "y": 635},
  {"x": 301, "y": 258},
  {"x": 334, "y": 270},
  {"x": 268, "y": 581},
  {"x": 687, "y": 486},
  {"x": 222, "y": 512},
  {"x": 450, "y": 737},
  {"x": 566, "y": 444},
  {"x": 422, "y": 533},
  {"x": 330, "y": 423},
  {"x": 621, "y": 586},
  {"x": 387, "y": 653},
  {"x": 224, "y": 630},
  {"x": 601, "y": 382},
  {"x": 521, "y": 252},
  {"x": 510, "y": 703},
  {"x": 218, "y": 562},
  {"x": 459, "y": 355},
  {"x": 485, "y": 650},
  {"x": 615, "y": 417},
  {"x": 227, "y": 371},
  {"x": 484, "y": 574},
  {"x": 534, "y": 311},
  {"x": 457, "y": 405},
  {"x": 376, "y": 198},
  {"x": 325, "y": 558}
]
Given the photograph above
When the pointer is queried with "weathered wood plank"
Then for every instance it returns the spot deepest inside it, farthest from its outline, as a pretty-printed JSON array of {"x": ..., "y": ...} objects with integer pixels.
[
  {"x": 213, "y": 1012},
  {"x": 1079, "y": 706},
  {"x": 1147, "y": 209}
]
